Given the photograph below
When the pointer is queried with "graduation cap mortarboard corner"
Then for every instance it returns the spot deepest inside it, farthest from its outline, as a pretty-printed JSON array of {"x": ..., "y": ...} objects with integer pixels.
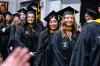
[
  {"x": 91, "y": 12},
  {"x": 67, "y": 10},
  {"x": 23, "y": 10},
  {"x": 51, "y": 14}
]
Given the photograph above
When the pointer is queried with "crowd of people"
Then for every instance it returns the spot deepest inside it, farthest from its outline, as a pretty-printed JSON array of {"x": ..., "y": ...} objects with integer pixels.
[{"x": 62, "y": 42}]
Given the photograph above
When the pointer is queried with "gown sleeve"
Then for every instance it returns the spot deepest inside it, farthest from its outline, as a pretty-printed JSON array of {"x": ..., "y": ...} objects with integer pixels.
[
  {"x": 18, "y": 35},
  {"x": 80, "y": 54},
  {"x": 39, "y": 50},
  {"x": 57, "y": 56}
]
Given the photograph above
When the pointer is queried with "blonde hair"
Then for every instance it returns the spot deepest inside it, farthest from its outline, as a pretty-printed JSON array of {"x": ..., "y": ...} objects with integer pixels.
[{"x": 63, "y": 27}]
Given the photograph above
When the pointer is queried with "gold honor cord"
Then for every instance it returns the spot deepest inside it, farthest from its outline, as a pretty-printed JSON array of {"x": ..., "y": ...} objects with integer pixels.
[{"x": 97, "y": 20}]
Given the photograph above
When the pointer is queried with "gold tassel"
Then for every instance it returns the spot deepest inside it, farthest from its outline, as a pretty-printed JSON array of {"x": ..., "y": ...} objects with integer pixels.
[
  {"x": 74, "y": 18},
  {"x": 37, "y": 11},
  {"x": 58, "y": 17},
  {"x": 38, "y": 8},
  {"x": 74, "y": 14},
  {"x": 36, "y": 15}
]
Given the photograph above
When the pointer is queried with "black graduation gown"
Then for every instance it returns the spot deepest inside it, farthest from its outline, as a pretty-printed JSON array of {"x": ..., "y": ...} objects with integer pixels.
[
  {"x": 62, "y": 48},
  {"x": 4, "y": 38},
  {"x": 0, "y": 31},
  {"x": 25, "y": 37},
  {"x": 0, "y": 34},
  {"x": 43, "y": 56},
  {"x": 39, "y": 26},
  {"x": 11, "y": 42},
  {"x": 87, "y": 48},
  {"x": 85, "y": 23},
  {"x": 19, "y": 36},
  {"x": 23, "y": 22}
]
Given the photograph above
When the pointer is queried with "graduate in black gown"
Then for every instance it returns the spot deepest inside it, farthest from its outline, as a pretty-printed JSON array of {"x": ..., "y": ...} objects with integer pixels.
[
  {"x": 87, "y": 49},
  {"x": 64, "y": 39},
  {"x": 22, "y": 12},
  {"x": 5, "y": 33},
  {"x": 26, "y": 36},
  {"x": 39, "y": 24},
  {"x": 90, "y": 15},
  {"x": 44, "y": 54},
  {"x": 1, "y": 20},
  {"x": 15, "y": 23}
]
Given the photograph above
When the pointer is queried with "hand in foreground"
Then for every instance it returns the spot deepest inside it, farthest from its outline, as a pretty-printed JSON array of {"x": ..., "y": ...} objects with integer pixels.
[{"x": 19, "y": 57}]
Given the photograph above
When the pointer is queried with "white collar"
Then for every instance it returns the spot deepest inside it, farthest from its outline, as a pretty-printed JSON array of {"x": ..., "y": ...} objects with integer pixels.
[{"x": 90, "y": 21}]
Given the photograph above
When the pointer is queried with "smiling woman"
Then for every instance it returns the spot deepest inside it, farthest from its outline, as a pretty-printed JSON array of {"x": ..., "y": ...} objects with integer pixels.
[
  {"x": 63, "y": 40},
  {"x": 3, "y": 6}
]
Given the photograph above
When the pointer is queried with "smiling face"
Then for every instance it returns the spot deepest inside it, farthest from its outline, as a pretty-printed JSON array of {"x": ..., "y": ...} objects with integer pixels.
[
  {"x": 68, "y": 20},
  {"x": 30, "y": 18},
  {"x": 53, "y": 23}
]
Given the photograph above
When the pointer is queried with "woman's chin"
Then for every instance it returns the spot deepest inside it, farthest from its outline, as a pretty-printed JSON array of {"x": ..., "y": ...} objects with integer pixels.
[
  {"x": 53, "y": 28},
  {"x": 30, "y": 22},
  {"x": 69, "y": 25}
]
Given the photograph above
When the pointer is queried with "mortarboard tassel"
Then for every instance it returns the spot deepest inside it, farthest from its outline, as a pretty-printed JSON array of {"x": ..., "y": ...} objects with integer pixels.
[
  {"x": 36, "y": 15},
  {"x": 58, "y": 17},
  {"x": 74, "y": 14},
  {"x": 38, "y": 8},
  {"x": 75, "y": 20}
]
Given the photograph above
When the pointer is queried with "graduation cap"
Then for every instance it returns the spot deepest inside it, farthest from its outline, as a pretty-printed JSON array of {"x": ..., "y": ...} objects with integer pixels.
[
  {"x": 22, "y": 10},
  {"x": 67, "y": 10},
  {"x": 16, "y": 14},
  {"x": 30, "y": 10},
  {"x": 7, "y": 13},
  {"x": 91, "y": 13},
  {"x": 50, "y": 15}
]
